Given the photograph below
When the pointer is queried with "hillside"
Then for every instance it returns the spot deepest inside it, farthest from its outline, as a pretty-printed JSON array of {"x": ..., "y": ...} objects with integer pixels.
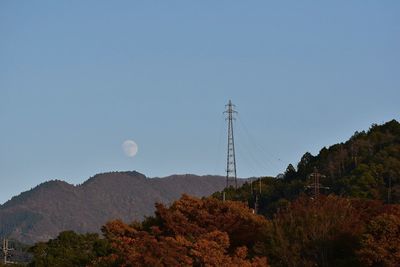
[
  {"x": 42, "y": 212},
  {"x": 365, "y": 166}
]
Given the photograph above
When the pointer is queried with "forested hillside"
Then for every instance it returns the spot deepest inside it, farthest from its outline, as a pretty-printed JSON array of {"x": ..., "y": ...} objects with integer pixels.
[
  {"x": 366, "y": 166},
  {"x": 54, "y": 206},
  {"x": 361, "y": 167}
]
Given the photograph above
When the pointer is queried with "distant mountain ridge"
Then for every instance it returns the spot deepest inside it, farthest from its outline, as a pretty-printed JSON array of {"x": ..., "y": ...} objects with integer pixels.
[{"x": 53, "y": 206}]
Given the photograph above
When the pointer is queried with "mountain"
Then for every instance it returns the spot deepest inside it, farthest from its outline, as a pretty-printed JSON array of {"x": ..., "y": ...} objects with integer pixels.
[{"x": 42, "y": 212}]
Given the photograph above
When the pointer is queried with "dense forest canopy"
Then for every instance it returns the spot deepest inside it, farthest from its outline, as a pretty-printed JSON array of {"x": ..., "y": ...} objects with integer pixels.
[{"x": 366, "y": 166}]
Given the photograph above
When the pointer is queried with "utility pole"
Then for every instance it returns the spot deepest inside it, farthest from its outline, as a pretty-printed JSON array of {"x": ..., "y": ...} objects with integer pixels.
[
  {"x": 256, "y": 193},
  {"x": 354, "y": 154},
  {"x": 316, "y": 186},
  {"x": 256, "y": 203},
  {"x": 257, "y": 197},
  {"x": 389, "y": 192},
  {"x": 231, "y": 179}
]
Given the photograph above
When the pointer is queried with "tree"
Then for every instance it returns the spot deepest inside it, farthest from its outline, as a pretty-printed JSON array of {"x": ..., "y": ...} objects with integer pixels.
[
  {"x": 303, "y": 167},
  {"x": 69, "y": 249},
  {"x": 290, "y": 172},
  {"x": 321, "y": 232},
  {"x": 191, "y": 232},
  {"x": 380, "y": 245}
]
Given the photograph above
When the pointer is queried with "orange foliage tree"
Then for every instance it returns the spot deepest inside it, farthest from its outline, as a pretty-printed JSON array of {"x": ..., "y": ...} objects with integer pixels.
[
  {"x": 314, "y": 232},
  {"x": 191, "y": 232},
  {"x": 380, "y": 245}
]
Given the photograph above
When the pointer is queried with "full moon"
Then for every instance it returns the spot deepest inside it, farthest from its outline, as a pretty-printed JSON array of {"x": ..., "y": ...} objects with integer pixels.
[{"x": 130, "y": 148}]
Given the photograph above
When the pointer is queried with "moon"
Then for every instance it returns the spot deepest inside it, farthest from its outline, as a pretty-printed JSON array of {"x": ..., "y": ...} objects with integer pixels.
[{"x": 130, "y": 148}]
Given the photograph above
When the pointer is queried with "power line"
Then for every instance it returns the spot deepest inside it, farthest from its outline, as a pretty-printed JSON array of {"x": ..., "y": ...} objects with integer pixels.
[
  {"x": 247, "y": 154},
  {"x": 219, "y": 147},
  {"x": 247, "y": 161},
  {"x": 247, "y": 148},
  {"x": 257, "y": 145}
]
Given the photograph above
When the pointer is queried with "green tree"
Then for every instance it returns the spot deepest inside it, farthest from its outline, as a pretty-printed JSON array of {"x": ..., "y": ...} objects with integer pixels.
[{"x": 69, "y": 249}]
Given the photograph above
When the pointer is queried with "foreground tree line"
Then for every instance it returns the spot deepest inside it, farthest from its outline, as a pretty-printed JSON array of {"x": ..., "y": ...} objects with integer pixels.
[{"x": 328, "y": 231}]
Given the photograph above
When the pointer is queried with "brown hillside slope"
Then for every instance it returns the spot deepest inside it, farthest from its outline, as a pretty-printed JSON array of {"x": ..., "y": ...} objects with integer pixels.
[{"x": 42, "y": 212}]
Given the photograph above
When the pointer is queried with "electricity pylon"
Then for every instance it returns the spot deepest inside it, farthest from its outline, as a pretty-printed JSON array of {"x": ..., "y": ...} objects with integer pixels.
[
  {"x": 6, "y": 251},
  {"x": 231, "y": 179},
  {"x": 316, "y": 185}
]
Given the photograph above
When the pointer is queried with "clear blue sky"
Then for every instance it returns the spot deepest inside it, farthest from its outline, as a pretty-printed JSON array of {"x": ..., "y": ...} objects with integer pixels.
[{"x": 77, "y": 78}]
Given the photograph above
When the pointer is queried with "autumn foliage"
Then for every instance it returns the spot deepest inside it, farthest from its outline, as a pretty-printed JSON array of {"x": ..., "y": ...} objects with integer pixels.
[
  {"x": 334, "y": 231},
  {"x": 380, "y": 244},
  {"x": 314, "y": 232},
  {"x": 326, "y": 231},
  {"x": 191, "y": 232}
]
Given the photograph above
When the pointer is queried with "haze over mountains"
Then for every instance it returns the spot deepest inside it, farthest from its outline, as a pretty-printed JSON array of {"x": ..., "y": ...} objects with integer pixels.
[{"x": 42, "y": 212}]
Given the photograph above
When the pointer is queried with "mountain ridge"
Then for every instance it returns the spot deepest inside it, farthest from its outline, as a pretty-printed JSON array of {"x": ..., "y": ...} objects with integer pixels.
[
  {"x": 89, "y": 180},
  {"x": 55, "y": 205}
]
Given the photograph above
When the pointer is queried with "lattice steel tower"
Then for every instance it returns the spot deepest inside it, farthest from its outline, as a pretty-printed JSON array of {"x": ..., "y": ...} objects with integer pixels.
[
  {"x": 231, "y": 179},
  {"x": 6, "y": 251},
  {"x": 316, "y": 185}
]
